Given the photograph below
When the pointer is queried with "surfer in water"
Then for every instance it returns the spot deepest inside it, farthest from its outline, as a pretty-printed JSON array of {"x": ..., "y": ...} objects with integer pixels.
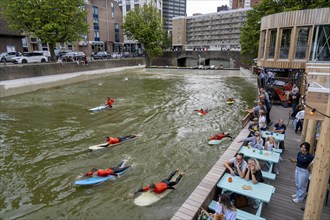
[
  {"x": 110, "y": 171},
  {"x": 231, "y": 100},
  {"x": 109, "y": 102},
  {"x": 163, "y": 185},
  {"x": 220, "y": 136},
  {"x": 202, "y": 111},
  {"x": 116, "y": 140}
]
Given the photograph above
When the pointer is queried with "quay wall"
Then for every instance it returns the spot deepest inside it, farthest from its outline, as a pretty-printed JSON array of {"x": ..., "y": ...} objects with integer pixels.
[{"x": 10, "y": 72}]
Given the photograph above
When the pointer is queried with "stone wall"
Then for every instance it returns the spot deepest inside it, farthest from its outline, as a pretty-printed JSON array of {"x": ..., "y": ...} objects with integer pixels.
[{"x": 10, "y": 72}]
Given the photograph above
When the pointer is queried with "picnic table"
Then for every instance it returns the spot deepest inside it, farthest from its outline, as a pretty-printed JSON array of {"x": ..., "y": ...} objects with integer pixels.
[
  {"x": 268, "y": 156},
  {"x": 278, "y": 137},
  {"x": 260, "y": 191}
]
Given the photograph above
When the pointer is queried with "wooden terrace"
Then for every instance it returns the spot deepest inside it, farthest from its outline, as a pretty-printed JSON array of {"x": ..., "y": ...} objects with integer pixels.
[{"x": 280, "y": 205}]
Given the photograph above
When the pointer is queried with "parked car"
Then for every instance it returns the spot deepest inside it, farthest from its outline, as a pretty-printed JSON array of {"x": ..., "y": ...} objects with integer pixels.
[
  {"x": 6, "y": 56},
  {"x": 127, "y": 55},
  {"x": 33, "y": 57},
  {"x": 115, "y": 55},
  {"x": 72, "y": 56},
  {"x": 101, "y": 55},
  {"x": 45, "y": 53},
  {"x": 61, "y": 52}
]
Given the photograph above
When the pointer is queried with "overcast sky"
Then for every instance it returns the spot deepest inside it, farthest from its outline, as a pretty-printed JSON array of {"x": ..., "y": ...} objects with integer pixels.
[{"x": 204, "y": 6}]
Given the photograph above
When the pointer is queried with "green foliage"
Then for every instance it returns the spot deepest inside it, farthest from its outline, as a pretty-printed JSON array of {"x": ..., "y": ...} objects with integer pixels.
[
  {"x": 144, "y": 24},
  {"x": 250, "y": 32},
  {"x": 50, "y": 20}
]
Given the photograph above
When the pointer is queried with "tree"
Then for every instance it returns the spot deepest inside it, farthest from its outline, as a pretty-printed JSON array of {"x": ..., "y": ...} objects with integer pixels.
[
  {"x": 144, "y": 24},
  {"x": 53, "y": 21},
  {"x": 250, "y": 32}
]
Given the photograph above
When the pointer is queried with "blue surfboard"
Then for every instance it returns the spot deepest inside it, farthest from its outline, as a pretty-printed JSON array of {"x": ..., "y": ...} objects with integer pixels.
[{"x": 96, "y": 180}]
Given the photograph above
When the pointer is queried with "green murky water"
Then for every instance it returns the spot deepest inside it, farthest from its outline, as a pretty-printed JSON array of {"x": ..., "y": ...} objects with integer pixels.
[{"x": 45, "y": 136}]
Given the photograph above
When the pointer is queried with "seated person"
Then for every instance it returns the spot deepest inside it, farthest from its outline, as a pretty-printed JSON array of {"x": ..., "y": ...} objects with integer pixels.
[
  {"x": 262, "y": 120},
  {"x": 255, "y": 142},
  {"x": 116, "y": 140},
  {"x": 163, "y": 185},
  {"x": 253, "y": 127},
  {"x": 255, "y": 175},
  {"x": 279, "y": 127},
  {"x": 110, "y": 171},
  {"x": 221, "y": 136},
  {"x": 224, "y": 210},
  {"x": 237, "y": 165}
]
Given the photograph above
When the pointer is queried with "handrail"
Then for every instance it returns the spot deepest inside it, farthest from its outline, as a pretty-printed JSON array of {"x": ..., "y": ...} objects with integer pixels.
[{"x": 246, "y": 119}]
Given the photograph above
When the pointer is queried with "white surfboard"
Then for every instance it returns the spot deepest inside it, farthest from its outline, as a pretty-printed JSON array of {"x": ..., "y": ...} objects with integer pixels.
[
  {"x": 98, "y": 146},
  {"x": 148, "y": 198},
  {"x": 215, "y": 142}
]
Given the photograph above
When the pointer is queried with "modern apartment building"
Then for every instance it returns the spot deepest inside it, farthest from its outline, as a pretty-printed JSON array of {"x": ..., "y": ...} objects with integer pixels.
[
  {"x": 173, "y": 8},
  {"x": 235, "y": 4},
  {"x": 215, "y": 31}
]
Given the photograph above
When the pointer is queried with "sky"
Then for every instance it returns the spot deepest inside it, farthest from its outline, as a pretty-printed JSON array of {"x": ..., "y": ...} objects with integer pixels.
[{"x": 204, "y": 6}]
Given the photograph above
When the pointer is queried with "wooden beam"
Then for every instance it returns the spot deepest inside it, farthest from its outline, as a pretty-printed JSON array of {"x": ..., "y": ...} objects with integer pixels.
[
  {"x": 320, "y": 173},
  {"x": 304, "y": 130},
  {"x": 310, "y": 135}
]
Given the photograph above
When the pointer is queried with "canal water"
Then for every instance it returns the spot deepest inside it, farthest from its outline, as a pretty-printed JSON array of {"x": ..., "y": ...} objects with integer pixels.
[{"x": 45, "y": 136}]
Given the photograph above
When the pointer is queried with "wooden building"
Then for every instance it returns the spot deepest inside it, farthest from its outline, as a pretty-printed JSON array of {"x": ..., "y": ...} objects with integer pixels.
[{"x": 301, "y": 40}]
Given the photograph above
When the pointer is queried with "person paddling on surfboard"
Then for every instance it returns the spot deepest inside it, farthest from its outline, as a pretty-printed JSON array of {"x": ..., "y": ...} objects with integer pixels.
[
  {"x": 116, "y": 140},
  {"x": 202, "y": 111},
  {"x": 163, "y": 185},
  {"x": 220, "y": 136},
  {"x": 109, "y": 102},
  {"x": 110, "y": 171},
  {"x": 231, "y": 100}
]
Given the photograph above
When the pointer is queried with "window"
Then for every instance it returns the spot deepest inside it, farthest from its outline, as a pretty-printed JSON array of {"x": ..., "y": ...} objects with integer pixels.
[
  {"x": 96, "y": 35},
  {"x": 128, "y": 8},
  {"x": 285, "y": 43},
  {"x": 302, "y": 42},
  {"x": 272, "y": 42},
  {"x": 117, "y": 39},
  {"x": 95, "y": 11},
  {"x": 112, "y": 10},
  {"x": 321, "y": 43},
  {"x": 263, "y": 39}
]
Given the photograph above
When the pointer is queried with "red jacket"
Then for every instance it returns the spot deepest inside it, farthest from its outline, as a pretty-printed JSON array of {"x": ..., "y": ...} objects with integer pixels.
[
  {"x": 217, "y": 137},
  {"x": 112, "y": 140}
]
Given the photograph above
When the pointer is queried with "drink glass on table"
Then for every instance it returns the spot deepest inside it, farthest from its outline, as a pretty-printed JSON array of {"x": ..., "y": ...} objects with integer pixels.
[{"x": 230, "y": 179}]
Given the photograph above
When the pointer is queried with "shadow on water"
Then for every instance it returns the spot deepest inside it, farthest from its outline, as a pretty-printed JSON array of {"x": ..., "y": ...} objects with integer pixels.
[{"x": 45, "y": 136}]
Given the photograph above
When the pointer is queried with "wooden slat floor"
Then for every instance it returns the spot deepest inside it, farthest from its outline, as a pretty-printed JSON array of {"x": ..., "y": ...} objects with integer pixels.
[{"x": 281, "y": 205}]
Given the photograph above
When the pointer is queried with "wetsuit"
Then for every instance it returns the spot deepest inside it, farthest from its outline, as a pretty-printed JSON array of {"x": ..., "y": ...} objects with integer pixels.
[
  {"x": 219, "y": 137},
  {"x": 164, "y": 184},
  {"x": 110, "y": 171}
]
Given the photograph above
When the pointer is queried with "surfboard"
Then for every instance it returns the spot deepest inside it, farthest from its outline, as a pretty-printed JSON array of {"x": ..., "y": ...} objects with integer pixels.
[
  {"x": 199, "y": 113},
  {"x": 147, "y": 198},
  {"x": 96, "y": 180},
  {"x": 99, "y": 108},
  {"x": 105, "y": 145},
  {"x": 230, "y": 103},
  {"x": 215, "y": 142}
]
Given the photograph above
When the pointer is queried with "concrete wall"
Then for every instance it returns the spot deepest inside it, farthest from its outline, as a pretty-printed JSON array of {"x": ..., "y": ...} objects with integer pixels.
[{"x": 10, "y": 72}]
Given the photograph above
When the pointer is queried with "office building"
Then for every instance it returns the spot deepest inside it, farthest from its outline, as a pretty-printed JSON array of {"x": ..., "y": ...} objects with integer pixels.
[
  {"x": 173, "y": 8},
  {"x": 235, "y": 4},
  {"x": 215, "y": 31}
]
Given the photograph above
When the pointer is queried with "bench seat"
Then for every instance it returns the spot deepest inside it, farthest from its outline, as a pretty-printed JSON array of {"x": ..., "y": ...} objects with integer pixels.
[
  {"x": 267, "y": 175},
  {"x": 240, "y": 213}
]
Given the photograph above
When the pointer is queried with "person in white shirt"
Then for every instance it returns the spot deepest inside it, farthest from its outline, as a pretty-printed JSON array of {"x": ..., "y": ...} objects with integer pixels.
[{"x": 297, "y": 123}]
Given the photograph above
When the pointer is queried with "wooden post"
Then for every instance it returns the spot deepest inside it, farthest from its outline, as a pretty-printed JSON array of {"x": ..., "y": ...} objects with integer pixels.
[
  {"x": 304, "y": 130},
  {"x": 310, "y": 135},
  {"x": 320, "y": 172}
]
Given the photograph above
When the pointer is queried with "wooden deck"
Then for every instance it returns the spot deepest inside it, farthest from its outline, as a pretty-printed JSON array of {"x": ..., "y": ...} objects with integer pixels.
[{"x": 280, "y": 206}]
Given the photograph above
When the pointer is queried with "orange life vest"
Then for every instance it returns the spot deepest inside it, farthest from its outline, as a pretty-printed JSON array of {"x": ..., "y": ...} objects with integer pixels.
[
  {"x": 160, "y": 187},
  {"x": 217, "y": 137},
  {"x": 113, "y": 140},
  {"x": 106, "y": 172}
]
